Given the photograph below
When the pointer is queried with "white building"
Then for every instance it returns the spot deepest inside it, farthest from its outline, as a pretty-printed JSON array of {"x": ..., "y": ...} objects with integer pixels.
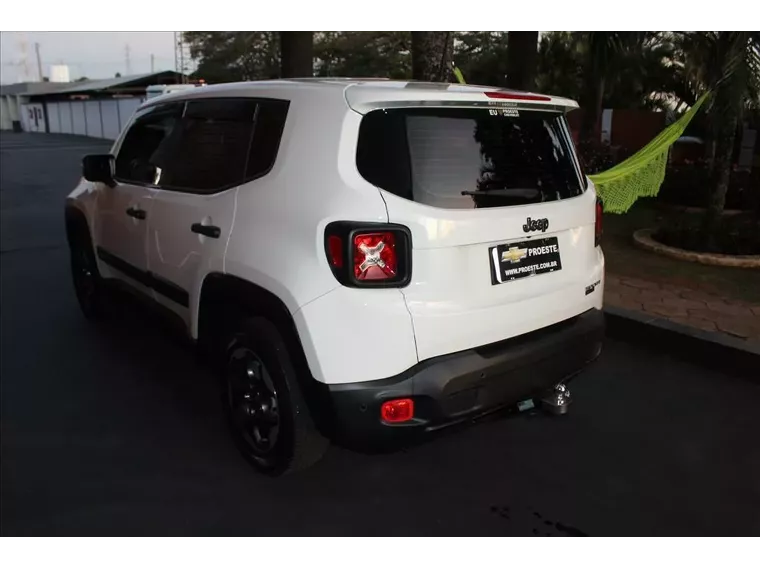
[{"x": 89, "y": 108}]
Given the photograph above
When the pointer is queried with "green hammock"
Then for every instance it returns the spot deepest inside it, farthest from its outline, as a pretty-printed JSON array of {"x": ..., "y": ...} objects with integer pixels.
[{"x": 642, "y": 174}]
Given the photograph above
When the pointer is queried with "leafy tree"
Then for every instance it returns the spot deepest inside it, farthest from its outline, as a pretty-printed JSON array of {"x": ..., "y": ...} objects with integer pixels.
[
  {"x": 431, "y": 55},
  {"x": 560, "y": 64},
  {"x": 729, "y": 64},
  {"x": 363, "y": 54},
  {"x": 235, "y": 56},
  {"x": 482, "y": 57}
]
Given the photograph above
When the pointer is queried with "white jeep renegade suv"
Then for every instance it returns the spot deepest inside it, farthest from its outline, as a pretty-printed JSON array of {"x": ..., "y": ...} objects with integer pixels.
[{"x": 368, "y": 259}]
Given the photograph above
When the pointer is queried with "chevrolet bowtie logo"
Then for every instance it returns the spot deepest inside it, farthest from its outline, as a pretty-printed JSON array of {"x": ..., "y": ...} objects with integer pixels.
[{"x": 514, "y": 255}]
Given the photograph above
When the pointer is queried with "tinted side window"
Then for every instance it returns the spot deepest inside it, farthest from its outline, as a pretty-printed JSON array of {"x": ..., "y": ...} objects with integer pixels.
[
  {"x": 211, "y": 150},
  {"x": 270, "y": 121},
  {"x": 143, "y": 151}
]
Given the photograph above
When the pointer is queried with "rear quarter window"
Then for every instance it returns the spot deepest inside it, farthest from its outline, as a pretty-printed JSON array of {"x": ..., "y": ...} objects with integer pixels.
[{"x": 469, "y": 158}]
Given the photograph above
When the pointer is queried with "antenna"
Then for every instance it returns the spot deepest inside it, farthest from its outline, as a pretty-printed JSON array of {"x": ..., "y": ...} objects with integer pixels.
[
  {"x": 182, "y": 59},
  {"x": 39, "y": 61},
  {"x": 127, "y": 60},
  {"x": 24, "y": 61}
]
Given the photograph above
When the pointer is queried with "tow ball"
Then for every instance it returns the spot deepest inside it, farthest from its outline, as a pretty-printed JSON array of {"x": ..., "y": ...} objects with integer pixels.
[{"x": 557, "y": 400}]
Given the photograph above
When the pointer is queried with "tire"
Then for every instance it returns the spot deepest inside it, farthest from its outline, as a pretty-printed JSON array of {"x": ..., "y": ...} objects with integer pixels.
[
  {"x": 265, "y": 407},
  {"x": 88, "y": 283}
]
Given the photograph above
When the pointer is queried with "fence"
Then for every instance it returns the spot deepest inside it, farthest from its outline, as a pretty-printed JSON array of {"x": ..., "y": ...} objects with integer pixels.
[{"x": 96, "y": 118}]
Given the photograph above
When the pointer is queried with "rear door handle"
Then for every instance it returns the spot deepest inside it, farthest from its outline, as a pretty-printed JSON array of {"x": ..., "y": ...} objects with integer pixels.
[
  {"x": 207, "y": 230},
  {"x": 136, "y": 213}
]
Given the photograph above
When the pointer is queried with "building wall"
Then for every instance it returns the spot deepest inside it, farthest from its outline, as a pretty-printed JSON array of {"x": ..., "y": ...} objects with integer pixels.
[
  {"x": 95, "y": 118},
  {"x": 627, "y": 129},
  {"x": 5, "y": 113},
  {"x": 9, "y": 111},
  {"x": 633, "y": 129}
]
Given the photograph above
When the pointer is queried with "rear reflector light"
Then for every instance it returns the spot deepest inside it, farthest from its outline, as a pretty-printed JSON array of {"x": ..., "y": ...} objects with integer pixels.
[
  {"x": 598, "y": 223},
  {"x": 516, "y": 96},
  {"x": 335, "y": 249},
  {"x": 375, "y": 256},
  {"x": 399, "y": 410}
]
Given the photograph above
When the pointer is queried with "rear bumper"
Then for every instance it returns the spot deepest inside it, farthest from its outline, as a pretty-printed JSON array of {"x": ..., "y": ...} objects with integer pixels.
[{"x": 461, "y": 386}]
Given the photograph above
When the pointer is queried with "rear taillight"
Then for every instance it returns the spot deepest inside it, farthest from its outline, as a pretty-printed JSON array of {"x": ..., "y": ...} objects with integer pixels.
[
  {"x": 516, "y": 96},
  {"x": 335, "y": 251},
  {"x": 375, "y": 256},
  {"x": 598, "y": 223},
  {"x": 369, "y": 254}
]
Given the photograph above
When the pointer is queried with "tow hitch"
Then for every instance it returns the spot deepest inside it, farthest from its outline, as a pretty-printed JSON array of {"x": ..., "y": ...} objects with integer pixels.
[{"x": 556, "y": 401}]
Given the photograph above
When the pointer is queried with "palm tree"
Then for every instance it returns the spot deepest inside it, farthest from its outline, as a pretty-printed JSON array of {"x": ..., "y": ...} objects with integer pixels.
[
  {"x": 559, "y": 64},
  {"x": 522, "y": 60},
  {"x": 649, "y": 76},
  {"x": 729, "y": 64}
]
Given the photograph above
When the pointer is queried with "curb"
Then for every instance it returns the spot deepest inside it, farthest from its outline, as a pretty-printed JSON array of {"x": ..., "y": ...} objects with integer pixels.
[
  {"x": 705, "y": 348},
  {"x": 643, "y": 239}
]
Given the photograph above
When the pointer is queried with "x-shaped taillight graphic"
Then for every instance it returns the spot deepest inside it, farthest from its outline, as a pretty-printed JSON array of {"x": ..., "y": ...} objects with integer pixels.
[{"x": 372, "y": 256}]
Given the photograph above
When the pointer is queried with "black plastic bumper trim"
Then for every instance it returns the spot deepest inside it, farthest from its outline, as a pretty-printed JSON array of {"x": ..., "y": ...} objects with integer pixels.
[{"x": 461, "y": 386}]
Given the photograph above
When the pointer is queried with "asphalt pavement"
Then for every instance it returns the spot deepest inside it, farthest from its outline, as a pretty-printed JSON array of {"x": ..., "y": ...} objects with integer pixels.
[{"x": 113, "y": 429}]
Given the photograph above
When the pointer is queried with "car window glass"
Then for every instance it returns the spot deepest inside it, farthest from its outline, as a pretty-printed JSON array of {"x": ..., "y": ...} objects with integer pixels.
[
  {"x": 142, "y": 155},
  {"x": 270, "y": 122}
]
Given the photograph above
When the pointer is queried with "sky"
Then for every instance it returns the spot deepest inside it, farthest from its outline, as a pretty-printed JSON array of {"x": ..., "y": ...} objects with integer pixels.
[
  {"x": 91, "y": 54},
  {"x": 96, "y": 55}
]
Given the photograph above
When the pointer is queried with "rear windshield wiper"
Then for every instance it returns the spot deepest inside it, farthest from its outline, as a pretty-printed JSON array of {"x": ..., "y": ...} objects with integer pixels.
[{"x": 527, "y": 193}]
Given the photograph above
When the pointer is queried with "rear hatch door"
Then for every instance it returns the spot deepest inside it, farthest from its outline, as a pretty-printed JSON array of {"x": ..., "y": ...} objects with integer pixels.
[{"x": 502, "y": 219}]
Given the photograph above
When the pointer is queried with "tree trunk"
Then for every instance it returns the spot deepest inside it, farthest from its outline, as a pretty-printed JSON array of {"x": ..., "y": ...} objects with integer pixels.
[
  {"x": 720, "y": 176},
  {"x": 522, "y": 60},
  {"x": 431, "y": 56},
  {"x": 592, "y": 108},
  {"x": 297, "y": 54}
]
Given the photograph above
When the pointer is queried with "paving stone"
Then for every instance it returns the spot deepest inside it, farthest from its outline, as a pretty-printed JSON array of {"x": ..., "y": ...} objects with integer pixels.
[
  {"x": 729, "y": 310},
  {"x": 611, "y": 297},
  {"x": 698, "y": 323},
  {"x": 706, "y": 313},
  {"x": 675, "y": 288},
  {"x": 684, "y": 304},
  {"x": 657, "y": 296},
  {"x": 692, "y": 304},
  {"x": 665, "y": 310},
  {"x": 739, "y": 327},
  {"x": 629, "y": 304},
  {"x": 638, "y": 283},
  {"x": 698, "y": 295}
]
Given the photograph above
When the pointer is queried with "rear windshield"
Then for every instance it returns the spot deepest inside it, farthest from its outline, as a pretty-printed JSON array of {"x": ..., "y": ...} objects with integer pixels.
[{"x": 467, "y": 158}]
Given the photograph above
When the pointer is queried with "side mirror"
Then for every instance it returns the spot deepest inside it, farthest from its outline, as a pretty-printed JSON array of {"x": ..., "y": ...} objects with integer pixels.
[{"x": 98, "y": 168}]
